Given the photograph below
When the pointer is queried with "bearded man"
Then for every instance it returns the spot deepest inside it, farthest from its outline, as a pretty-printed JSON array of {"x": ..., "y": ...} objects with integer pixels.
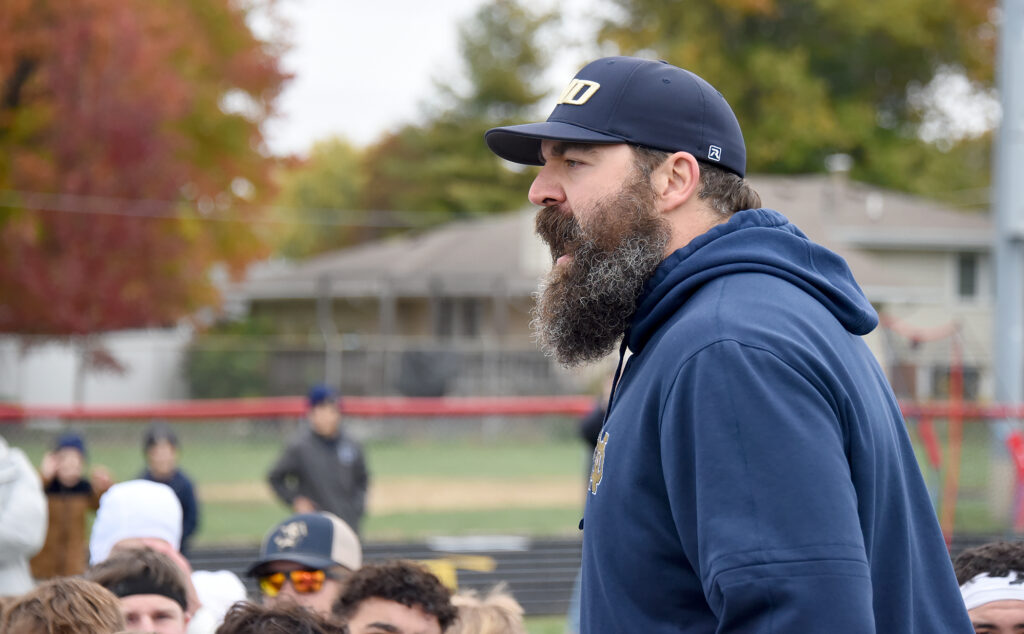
[{"x": 753, "y": 473}]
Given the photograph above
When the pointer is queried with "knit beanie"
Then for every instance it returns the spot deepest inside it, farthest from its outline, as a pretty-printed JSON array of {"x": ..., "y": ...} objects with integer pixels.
[{"x": 134, "y": 509}]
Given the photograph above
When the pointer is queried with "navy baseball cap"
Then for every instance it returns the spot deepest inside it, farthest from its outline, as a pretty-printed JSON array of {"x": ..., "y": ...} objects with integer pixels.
[
  {"x": 317, "y": 540},
  {"x": 637, "y": 101},
  {"x": 70, "y": 440},
  {"x": 320, "y": 394}
]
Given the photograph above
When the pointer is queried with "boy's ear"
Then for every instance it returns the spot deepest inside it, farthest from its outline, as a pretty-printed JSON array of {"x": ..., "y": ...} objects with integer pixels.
[{"x": 676, "y": 181}]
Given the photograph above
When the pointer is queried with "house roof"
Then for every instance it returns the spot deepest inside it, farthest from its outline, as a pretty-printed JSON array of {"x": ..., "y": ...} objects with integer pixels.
[
  {"x": 495, "y": 254},
  {"x": 501, "y": 254}
]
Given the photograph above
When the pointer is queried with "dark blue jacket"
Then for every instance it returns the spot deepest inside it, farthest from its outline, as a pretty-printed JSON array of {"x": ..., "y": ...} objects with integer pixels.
[
  {"x": 183, "y": 488},
  {"x": 754, "y": 474}
]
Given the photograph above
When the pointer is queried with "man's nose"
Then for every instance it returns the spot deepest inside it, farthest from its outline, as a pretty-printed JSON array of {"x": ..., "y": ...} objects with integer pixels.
[
  {"x": 545, "y": 190},
  {"x": 288, "y": 590}
]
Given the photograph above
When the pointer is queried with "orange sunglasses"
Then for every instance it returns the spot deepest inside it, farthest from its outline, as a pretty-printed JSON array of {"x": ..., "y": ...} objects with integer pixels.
[{"x": 304, "y": 581}]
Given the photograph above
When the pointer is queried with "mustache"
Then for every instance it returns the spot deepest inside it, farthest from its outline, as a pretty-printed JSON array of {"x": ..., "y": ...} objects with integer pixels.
[{"x": 559, "y": 230}]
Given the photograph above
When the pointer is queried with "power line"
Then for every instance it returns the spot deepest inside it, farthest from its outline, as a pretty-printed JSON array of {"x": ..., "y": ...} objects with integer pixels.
[{"x": 194, "y": 210}]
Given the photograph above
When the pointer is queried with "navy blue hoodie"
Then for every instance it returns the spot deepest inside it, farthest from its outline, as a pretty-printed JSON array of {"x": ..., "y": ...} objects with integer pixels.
[{"x": 754, "y": 474}]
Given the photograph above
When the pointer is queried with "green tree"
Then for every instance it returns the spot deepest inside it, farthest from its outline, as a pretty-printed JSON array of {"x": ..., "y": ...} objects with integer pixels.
[
  {"x": 808, "y": 78},
  {"x": 319, "y": 204},
  {"x": 230, "y": 360},
  {"x": 443, "y": 165}
]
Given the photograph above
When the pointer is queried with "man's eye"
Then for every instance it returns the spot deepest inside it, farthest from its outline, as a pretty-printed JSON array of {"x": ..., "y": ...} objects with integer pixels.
[{"x": 571, "y": 163}]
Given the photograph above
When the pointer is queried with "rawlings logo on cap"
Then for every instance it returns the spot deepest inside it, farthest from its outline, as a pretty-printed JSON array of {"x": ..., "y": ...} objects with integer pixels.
[
  {"x": 572, "y": 95},
  {"x": 715, "y": 153}
]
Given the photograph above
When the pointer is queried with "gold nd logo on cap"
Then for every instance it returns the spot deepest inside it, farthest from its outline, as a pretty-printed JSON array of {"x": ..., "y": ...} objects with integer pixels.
[{"x": 578, "y": 92}]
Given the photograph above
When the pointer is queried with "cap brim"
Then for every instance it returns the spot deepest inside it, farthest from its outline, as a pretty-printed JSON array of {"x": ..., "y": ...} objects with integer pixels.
[
  {"x": 521, "y": 143},
  {"x": 313, "y": 561}
]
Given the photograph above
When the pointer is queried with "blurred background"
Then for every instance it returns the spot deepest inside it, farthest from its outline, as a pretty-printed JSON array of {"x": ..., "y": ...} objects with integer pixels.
[{"x": 229, "y": 199}]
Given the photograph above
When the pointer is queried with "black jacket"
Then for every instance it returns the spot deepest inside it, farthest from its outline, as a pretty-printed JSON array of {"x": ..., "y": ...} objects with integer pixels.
[{"x": 329, "y": 471}]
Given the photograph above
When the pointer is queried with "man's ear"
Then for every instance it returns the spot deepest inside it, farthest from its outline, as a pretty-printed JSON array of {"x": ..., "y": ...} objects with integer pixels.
[{"x": 676, "y": 181}]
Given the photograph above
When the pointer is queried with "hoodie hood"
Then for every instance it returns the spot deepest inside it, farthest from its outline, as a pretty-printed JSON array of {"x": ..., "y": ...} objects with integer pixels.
[{"x": 754, "y": 240}]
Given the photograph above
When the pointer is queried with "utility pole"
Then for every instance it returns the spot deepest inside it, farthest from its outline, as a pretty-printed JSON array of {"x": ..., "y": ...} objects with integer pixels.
[
  {"x": 1008, "y": 203},
  {"x": 329, "y": 333},
  {"x": 1008, "y": 211}
]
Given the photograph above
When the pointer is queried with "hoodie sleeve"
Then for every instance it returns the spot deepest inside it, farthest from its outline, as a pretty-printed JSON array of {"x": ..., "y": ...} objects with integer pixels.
[
  {"x": 23, "y": 513},
  {"x": 189, "y": 508},
  {"x": 762, "y": 496}
]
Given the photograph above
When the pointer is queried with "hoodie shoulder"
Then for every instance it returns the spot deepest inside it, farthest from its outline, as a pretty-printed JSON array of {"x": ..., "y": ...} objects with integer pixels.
[{"x": 753, "y": 267}]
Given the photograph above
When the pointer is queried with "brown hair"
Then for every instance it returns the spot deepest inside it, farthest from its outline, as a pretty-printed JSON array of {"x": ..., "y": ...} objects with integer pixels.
[
  {"x": 996, "y": 559},
  {"x": 65, "y": 605},
  {"x": 403, "y": 582},
  {"x": 724, "y": 191},
  {"x": 140, "y": 568},
  {"x": 496, "y": 613},
  {"x": 284, "y": 618}
]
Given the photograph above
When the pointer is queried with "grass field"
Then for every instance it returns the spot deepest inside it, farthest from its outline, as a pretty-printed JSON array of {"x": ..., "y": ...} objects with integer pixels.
[
  {"x": 422, "y": 488},
  {"x": 545, "y": 625},
  {"x": 425, "y": 487},
  {"x": 417, "y": 489}
]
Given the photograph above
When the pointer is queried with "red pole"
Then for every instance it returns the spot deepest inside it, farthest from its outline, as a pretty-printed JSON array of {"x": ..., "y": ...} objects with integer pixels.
[
  {"x": 1015, "y": 444},
  {"x": 956, "y": 423},
  {"x": 931, "y": 442}
]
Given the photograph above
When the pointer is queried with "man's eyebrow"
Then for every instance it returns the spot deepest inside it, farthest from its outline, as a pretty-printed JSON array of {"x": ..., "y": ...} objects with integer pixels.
[
  {"x": 384, "y": 627},
  {"x": 560, "y": 148}
]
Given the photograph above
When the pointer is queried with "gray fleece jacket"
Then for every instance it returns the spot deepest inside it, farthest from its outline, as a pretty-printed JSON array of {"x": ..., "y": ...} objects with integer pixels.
[{"x": 329, "y": 471}]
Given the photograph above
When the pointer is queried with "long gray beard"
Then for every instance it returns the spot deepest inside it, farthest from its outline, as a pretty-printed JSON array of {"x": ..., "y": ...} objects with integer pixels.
[{"x": 581, "y": 310}]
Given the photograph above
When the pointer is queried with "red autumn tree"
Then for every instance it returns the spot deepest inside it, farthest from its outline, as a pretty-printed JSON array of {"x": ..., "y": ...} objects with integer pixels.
[{"x": 130, "y": 158}]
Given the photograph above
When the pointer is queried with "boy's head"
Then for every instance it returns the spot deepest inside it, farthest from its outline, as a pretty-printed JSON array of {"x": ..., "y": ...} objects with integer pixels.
[
  {"x": 991, "y": 578},
  {"x": 251, "y": 618},
  {"x": 160, "y": 445},
  {"x": 69, "y": 451},
  {"x": 397, "y": 596},
  {"x": 132, "y": 510},
  {"x": 150, "y": 587},
  {"x": 324, "y": 416},
  {"x": 64, "y": 604}
]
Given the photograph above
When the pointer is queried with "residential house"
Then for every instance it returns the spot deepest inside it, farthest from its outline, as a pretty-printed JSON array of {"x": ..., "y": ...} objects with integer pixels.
[{"x": 447, "y": 311}]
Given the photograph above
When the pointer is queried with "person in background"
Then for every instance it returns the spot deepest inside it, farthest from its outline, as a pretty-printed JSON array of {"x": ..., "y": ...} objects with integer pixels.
[
  {"x": 306, "y": 559},
  {"x": 160, "y": 445},
  {"x": 141, "y": 513},
  {"x": 150, "y": 587},
  {"x": 991, "y": 578},
  {"x": 64, "y": 605},
  {"x": 397, "y": 597},
  {"x": 323, "y": 469},
  {"x": 286, "y": 618},
  {"x": 496, "y": 613},
  {"x": 22, "y": 519},
  {"x": 70, "y": 496}
]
